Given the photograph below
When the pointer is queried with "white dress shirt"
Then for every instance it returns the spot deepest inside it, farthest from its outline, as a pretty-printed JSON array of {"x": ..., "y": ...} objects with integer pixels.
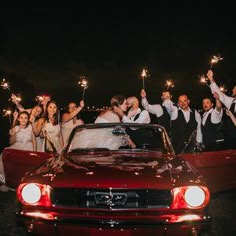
[
  {"x": 226, "y": 100},
  {"x": 216, "y": 116},
  {"x": 144, "y": 117}
]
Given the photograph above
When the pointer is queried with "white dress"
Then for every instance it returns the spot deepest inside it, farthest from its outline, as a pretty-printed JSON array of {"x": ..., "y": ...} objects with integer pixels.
[
  {"x": 67, "y": 127},
  {"x": 53, "y": 134},
  {"x": 100, "y": 137},
  {"x": 23, "y": 142},
  {"x": 23, "y": 138}
]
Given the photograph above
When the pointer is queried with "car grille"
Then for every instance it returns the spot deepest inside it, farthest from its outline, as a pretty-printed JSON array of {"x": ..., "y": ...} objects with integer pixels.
[{"x": 110, "y": 198}]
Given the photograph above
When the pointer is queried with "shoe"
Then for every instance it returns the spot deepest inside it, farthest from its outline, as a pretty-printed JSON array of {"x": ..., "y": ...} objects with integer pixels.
[{"x": 4, "y": 188}]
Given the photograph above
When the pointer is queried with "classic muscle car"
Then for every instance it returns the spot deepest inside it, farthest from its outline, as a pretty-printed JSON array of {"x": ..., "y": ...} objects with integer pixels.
[{"x": 99, "y": 185}]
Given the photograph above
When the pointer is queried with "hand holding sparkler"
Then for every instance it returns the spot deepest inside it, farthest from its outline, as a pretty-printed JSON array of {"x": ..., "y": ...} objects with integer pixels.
[
  {"x": 204, "y": 79},
  {"x": 84, "y": 84},
  {"x": 143, "y": 93}
]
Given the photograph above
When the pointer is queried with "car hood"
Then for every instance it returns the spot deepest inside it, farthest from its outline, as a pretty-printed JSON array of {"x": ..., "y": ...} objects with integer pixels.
[{"x": 118, "y": 171}]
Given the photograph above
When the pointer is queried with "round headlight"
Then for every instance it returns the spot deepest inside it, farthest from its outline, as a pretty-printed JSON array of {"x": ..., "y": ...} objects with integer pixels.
[
  {"x": 194, "y": 196},
  {"x": 31, "y": 193}
]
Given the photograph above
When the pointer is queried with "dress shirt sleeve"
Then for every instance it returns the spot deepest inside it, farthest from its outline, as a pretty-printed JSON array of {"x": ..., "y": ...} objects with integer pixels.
[
  {"x": 226, "y": 100},
  {"x": 199, "y": 130},
  {"x": 153, "y": 109}
]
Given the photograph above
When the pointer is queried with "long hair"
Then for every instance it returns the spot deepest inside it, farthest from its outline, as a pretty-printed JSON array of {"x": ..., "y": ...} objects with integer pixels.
[{"x": 55, "y": 116}]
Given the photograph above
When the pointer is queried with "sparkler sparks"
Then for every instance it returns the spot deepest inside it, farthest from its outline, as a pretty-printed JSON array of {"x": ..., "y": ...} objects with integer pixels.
[
  {"x": 7, "y": 112},
  {"x": 5, "y": 84},
  {"x": 204, "y": 80},
  {"x": 223, "y": 89},
  {"x": 169, "y": 84},
  {"x": 15, "y": 99},
  {"x": 214, "y": 60},
  {"x": 39, "y": 99},
  {"x": 84, "y": 84}
]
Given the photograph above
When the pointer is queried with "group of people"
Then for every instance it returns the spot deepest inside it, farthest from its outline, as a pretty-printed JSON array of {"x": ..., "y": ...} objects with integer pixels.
[
  {"x": 38, "y": 128},
  {"x": 215, "y": 127}
]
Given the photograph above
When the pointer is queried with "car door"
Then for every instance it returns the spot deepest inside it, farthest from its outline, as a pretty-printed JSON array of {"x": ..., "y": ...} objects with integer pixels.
[
  {"x": 17, "y": 162},
  {"x": 217, "y": 167}
]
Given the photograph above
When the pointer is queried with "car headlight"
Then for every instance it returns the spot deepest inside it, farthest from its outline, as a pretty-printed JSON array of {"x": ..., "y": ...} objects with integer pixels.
[
  {"x": 194, "y": 196},
  {"x": 31, "y": 193},
  {"x": 34, "y": 194},
  {"x": 190, "y": 197}
]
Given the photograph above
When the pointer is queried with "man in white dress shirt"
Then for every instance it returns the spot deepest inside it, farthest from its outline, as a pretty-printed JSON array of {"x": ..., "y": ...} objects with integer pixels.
[
  {"x": 183, "y": 122},
  {"x": 212, "y": 124},
  {"x": 230, "y": 104},
  {"x": 160, "y": 111}
]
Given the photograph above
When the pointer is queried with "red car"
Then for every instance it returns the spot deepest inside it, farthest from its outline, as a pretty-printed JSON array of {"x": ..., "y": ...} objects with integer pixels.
[{"x": 99, "y": 185}]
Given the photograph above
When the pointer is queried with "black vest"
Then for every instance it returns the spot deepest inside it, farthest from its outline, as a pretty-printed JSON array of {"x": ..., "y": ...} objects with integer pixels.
[
  {"x": 230, "y": 129},
  {"x": 141, "y": 136},
  {"x": 163, "y": 120},
  {"x": 181, "y": 130},
  {"x": 210, "y": 132}
]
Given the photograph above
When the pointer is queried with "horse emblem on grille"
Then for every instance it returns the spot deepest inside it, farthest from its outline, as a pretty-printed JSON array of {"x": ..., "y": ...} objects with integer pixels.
[{"x": 110, "y": 199}]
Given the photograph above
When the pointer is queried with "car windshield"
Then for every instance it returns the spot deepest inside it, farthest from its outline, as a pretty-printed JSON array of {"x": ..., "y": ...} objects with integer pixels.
[{"x": 119, "y": 136}]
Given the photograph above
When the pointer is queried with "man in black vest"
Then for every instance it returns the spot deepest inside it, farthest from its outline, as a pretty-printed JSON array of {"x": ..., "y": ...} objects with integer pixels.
[
  {"x": 230, "y": 104},
  {"x": 183, "y": 122},
  {"x": 212, "y": 124},
  {"x": 159, "y": 110}
]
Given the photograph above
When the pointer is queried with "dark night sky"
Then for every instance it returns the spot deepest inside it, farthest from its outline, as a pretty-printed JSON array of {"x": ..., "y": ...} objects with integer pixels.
[{"x": 46, "y": 50}]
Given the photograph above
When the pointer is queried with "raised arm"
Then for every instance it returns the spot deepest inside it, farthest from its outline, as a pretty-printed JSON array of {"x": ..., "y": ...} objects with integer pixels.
[{"x": 226, "y": 100}]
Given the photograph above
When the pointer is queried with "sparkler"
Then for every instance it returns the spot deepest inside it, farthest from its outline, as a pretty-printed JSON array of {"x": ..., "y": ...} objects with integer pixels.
[
  {"x": 214, "y": 60},
  {"x": 15, "y": 99},
  {"x": 7, "y": 112},
  {"x": 5, "y": 84},
  {"x": 84, "y": 84},
  {"x": 204, "y": 80},
  {"x": 169, "y": 84},
  {"x": 39, "y": 99},
  {"x": 144, "y": 75},
  {"x": 223, "y": 89}
]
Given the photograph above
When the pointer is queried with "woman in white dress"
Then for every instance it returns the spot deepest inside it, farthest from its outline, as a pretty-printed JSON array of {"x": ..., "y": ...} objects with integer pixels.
[
  {"x": 108, "y": 115},
  {"x": 51, "y": 129},
  {"x": 22, "y": 138},
  {"x": 35, "y": 119},
  {"x": 70, "y": 120},
  {"x": 104, "y": 138}
]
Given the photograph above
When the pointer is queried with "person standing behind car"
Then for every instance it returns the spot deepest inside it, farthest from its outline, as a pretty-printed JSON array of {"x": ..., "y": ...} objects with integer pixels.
[
  {"x": 211, "y": 124},
  {"x": 51, "y": 129},
  {"x": 135, "y": 115},
  {"x": 231, "y": 115},
  {"x": 184, "y": 121},
  {"x": 162, "y": 116},
  {"x": 70, "y": 120},
  {"x": 21, "y": 138},
  {"x": 230, "y": 104}
]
